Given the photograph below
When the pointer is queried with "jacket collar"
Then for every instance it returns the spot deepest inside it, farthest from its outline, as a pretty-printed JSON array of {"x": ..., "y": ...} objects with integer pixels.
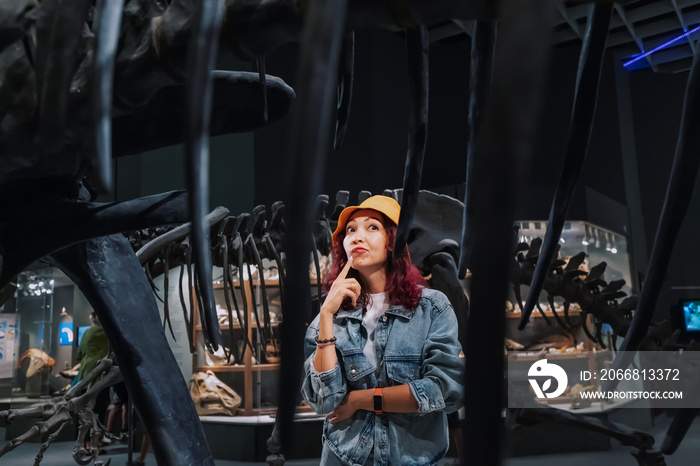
[
  {"x": 352, "y": 314},
  {"x": 356, "y": 313},
  {"x": 400, "y": 311}
]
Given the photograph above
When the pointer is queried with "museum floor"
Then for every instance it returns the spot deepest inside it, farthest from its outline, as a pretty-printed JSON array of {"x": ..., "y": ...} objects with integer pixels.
[{"x": 60, "y": 454}]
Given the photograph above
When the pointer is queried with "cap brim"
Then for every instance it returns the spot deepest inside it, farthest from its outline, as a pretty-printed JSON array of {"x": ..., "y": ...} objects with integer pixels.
[{"x": 343, "y": 220}]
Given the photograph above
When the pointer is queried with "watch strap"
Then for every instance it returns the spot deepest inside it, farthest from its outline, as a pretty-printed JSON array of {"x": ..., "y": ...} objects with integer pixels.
[{"x": 378, "y": 401}]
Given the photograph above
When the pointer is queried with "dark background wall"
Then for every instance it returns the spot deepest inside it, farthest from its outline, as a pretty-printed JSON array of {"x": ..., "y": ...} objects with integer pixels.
[
  {"x": 657, "y": 106},
  {"x": 231, "y": 165},
  {"x": 231, "y": 173},
  {"x": 372, "y": 157},
  {"x": 373, "y": 154},
  {"x": 621, "y": 187}
]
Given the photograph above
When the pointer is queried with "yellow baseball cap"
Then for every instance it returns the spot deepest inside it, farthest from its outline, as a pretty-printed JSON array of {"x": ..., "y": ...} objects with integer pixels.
[{"x": 384, "y": 204}]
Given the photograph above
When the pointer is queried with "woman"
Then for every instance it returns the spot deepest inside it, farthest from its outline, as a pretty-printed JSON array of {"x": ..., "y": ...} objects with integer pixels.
[{"x": 382, "y": 355}]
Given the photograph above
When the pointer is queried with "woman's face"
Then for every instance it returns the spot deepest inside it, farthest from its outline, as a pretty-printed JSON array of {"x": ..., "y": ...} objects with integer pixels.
[{"x": 365, "y": 241}]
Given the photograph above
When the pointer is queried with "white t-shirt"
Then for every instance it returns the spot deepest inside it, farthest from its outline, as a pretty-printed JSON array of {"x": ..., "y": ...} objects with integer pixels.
[{"x": 376, "y": 308}]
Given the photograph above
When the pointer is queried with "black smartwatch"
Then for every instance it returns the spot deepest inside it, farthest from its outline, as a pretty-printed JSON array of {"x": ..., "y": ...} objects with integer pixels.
[{"x": 378, "y": 401}]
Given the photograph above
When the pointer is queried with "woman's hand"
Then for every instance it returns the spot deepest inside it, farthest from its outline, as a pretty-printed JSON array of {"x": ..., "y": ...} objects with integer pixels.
[
  {"x": 396, "y": 399},
  {"x": 342, "y": 288},
  {"x": 344, "y": 411}
]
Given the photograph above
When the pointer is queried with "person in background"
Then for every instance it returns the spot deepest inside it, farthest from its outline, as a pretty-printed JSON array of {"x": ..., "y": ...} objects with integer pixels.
[
  {"x": 120, "y": 409},
  {"x": 120, "y": 398},
  {"x": 382, "y": 355},
  {"x": 93, "y": 347},
  {"x": 143, "y": 453}
]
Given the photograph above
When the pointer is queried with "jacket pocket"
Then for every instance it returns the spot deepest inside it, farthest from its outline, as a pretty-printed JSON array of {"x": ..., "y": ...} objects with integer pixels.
[{"x": 403, "y": 369}]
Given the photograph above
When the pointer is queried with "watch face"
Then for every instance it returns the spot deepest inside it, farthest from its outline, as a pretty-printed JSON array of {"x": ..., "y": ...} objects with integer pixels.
[{"x": 377, "y": 402}]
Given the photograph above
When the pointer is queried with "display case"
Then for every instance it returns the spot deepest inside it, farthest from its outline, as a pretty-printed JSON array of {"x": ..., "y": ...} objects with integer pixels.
[
  {"x": 599, "y": 244},
  {"x": 38, "y": 342},
  {"x": 569, "y": 344},
  {"x": 253, "y": 369},
  {"x": 36, "y": 336},
  {"x": 41, "y": 345}
]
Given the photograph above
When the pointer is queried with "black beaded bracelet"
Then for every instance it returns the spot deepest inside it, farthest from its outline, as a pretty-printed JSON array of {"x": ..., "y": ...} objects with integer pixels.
[{"x": 329, "y": 340}]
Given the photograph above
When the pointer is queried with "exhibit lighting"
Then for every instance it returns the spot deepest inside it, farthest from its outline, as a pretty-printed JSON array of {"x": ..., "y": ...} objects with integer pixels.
[
  {"x": 607, "y": 242},
  {"x": 597, "y": 238},
  {"x": 584, "y": 241},
  {"x": 613, "y": 249},
  {"x": 521, "y": 238},
  {"x": 662, "y": 46},
  {"x": 36, "y": 287}
]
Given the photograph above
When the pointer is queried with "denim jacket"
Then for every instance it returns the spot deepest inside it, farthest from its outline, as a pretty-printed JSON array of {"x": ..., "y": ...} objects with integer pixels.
[{"x": 419, "y": 348}]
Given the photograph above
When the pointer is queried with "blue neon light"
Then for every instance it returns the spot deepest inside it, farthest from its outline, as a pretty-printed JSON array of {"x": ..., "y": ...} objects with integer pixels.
[{"x": 664, "y": 45}]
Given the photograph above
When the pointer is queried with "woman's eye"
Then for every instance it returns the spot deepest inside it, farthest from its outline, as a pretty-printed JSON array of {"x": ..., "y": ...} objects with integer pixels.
[{"x": 374, "y": 227}]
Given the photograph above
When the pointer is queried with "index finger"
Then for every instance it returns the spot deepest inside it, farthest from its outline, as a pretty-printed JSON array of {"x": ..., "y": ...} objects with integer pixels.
[{"x": 345, "y": 270}]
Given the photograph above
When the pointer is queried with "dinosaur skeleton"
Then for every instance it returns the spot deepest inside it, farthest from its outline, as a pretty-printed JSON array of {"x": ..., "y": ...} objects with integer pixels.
[
  {"x": 57, "y": 413},
  {"x": 437, "y": 258},
  {"x": 68, "y": 65},
  {"x": 432, "y": 249}
]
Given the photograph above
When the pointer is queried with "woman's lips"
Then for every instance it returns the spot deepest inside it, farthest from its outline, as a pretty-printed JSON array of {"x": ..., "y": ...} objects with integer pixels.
[{"x": 359, "y": 250}]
